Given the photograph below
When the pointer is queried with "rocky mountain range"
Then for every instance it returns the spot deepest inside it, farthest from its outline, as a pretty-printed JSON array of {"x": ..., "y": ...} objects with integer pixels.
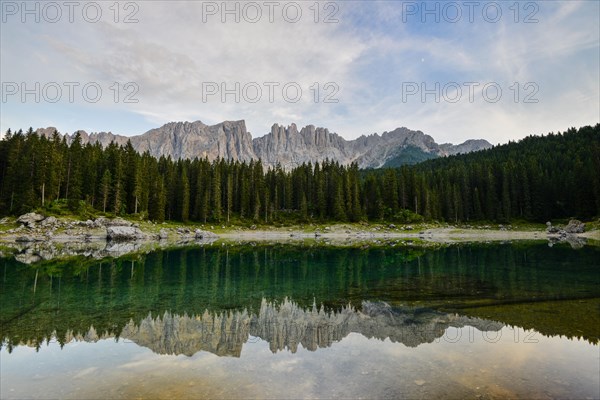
[{"x": 287, "y": 146}]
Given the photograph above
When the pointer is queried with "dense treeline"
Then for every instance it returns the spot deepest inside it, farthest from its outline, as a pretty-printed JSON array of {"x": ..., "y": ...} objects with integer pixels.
[{"x": 537, "y": 178}]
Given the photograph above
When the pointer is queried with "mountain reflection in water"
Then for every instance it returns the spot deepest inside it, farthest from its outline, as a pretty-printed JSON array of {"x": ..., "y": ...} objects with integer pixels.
[
  {"x": 239, "y": 321},
  {"x": 286, "y": 326},
  {"x": 216, "y": 299}
]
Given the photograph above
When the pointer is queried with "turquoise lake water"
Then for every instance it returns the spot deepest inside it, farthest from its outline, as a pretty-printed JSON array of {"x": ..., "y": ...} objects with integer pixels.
[{"x": 285, "y": 321}]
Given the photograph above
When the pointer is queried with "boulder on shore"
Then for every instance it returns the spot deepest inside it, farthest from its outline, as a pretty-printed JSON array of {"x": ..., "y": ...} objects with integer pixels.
[
  {"x": 552, "y": 229},
  {"x": 103, "y": 221},
  {"x": 30, "y": 218},
  {"x": 575, "y": 226},
  {"x": 49, "y": 222},
  {"x": 124, "y": 233}
]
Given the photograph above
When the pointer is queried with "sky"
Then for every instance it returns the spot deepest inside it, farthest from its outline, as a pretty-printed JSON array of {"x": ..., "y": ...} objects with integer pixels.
[{"x": 454, "y": 70}]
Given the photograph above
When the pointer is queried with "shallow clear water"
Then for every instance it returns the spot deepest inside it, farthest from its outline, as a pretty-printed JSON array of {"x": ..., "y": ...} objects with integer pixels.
[{"x": 487, "y": 321}]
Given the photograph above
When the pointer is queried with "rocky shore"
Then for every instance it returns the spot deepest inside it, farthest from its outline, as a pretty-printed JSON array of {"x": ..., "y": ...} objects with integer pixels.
[
  {"x": 38, "y": 238},
  {"x": 34, "y": 237},
  {"x": 35, "y": 227}
]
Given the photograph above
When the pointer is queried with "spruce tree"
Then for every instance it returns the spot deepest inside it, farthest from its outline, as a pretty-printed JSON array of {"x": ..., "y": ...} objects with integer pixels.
[{"x": 105, "y": 188}]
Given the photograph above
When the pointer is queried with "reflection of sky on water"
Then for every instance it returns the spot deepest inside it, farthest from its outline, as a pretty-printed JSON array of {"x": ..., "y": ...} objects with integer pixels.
[
  {"x": 285, "y": 326},
  {"x": 438, "y": 339},
  {"x": 461, "y": 363}
]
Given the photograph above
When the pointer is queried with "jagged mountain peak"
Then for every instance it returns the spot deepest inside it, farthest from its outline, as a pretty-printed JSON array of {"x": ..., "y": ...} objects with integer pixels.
[{"x": 284, "y": 145}]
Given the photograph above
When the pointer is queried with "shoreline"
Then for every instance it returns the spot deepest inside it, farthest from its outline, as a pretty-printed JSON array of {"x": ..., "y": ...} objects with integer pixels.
[
  {"x": 438, "y": 235},
  {"x": 34, "y": 227},
  {"x": 51, "y": 238}
]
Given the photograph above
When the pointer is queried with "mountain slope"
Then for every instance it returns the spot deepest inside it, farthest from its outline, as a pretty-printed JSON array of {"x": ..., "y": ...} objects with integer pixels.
[{"x": 282, "y": 145}]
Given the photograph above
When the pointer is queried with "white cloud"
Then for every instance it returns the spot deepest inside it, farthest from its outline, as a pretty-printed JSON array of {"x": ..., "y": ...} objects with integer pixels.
[{"x": 171, "y": 52}]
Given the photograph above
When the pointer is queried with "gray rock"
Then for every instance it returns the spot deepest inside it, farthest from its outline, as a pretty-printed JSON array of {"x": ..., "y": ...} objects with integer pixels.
[
  {"x": 286, "y": 146},
  {"x": 30, "y": 218},
  {"x": 100, "y": 221},
  {"x": 49, "y": 222},
  {"x": 575, "y": 226},
  {"x": 163, "y": 234},
  {"x": 124, "y": 233},
  {"x": 103, "y": 221},
  {"x": 200, "y": 234}
]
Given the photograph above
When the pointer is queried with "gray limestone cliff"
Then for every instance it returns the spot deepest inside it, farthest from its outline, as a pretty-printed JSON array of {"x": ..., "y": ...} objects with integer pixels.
[{"x": 286, "y": 146}]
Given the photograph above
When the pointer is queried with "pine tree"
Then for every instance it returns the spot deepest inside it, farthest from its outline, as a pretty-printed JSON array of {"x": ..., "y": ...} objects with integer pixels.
[
  {"x": 256, "y": 206},
  {"x": 339, "y": 212},
  {"x": 105, "y": 189},
  {"x": 303, "y": 208},
  {"x": 216, "y": 192},
  {"x": 185, "y": 196},
  {"x": 74, "y": 174},
  {"x": 320, "y": 184},
  {"x": 118, "y": 189},
  {"x": 161, "y": 201},
  {"x": 506, "y": 214},
  {"x": 229, "y": 195}
]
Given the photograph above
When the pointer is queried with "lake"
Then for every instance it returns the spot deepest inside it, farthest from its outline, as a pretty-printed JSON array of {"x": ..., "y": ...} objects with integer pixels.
[{"x": 516, "y": 319}]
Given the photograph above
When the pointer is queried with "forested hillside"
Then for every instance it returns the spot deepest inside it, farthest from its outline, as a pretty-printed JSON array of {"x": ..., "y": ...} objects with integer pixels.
[{"x": 536, "y": 179}]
